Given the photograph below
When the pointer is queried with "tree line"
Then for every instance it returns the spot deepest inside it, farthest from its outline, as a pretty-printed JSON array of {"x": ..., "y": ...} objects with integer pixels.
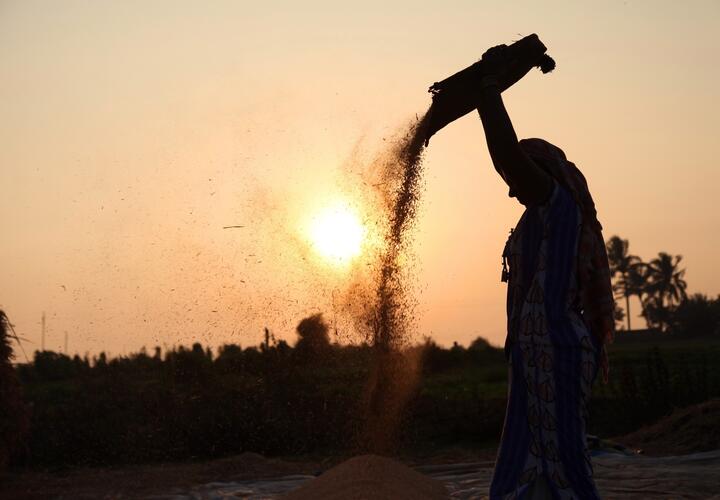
[
  {"x": 280, "y": 399},
  {"x": 660, "y": 286},
  {"x": 196, "y": 402}
]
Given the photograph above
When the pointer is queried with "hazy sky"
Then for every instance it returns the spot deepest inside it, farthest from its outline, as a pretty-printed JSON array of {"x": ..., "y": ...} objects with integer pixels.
[{"x": 132, "y": 132}]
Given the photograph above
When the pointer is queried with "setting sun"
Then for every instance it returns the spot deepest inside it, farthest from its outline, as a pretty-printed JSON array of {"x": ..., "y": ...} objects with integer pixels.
[{"x": 337, "y": 234}]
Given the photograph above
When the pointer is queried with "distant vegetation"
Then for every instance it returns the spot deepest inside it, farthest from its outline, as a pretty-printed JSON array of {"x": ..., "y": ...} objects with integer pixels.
[
  {"x": 191, "y": 403},
  {"x": 661, "y": 288}
]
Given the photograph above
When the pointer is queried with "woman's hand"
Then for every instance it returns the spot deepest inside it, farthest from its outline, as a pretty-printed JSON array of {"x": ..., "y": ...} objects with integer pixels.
[
  {"x": 500, "y": 63},
  {"x": 495, "y": 61}
]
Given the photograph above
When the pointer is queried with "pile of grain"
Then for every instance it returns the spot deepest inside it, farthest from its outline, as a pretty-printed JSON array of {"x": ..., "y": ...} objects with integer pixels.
[
  {"x": 370, "y": 477},
  {"x": 688, "y": 430}
]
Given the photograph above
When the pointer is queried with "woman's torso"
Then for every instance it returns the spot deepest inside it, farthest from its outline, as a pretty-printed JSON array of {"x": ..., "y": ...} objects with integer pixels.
[{"x": 543, "y": 303}]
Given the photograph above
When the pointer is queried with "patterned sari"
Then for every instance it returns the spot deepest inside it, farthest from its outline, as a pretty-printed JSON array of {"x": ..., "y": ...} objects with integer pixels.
[{"x": 553, "y": 359}]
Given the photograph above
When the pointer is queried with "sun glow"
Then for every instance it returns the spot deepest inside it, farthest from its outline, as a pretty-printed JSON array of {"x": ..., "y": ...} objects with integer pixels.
[{"x": 337, "y": 234}]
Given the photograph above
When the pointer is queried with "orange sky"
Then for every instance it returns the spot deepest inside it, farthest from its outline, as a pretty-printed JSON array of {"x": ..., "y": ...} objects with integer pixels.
[{"x": 132, "y": 132}]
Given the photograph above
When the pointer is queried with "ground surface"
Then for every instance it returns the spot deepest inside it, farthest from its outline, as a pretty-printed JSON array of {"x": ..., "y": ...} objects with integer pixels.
[
  {"x": 138, "y": 481},
  {"x": 465, "y": 472},
  {"x": 695, "y": 476},
  {"x": 254, "y": 477}
]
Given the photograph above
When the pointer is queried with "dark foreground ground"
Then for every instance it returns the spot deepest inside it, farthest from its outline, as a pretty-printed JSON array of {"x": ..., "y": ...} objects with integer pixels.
[
  {"x": 687, "y": 431},
  {"x": 139, "y": 481},
  {"x": 617, "y": 476}
]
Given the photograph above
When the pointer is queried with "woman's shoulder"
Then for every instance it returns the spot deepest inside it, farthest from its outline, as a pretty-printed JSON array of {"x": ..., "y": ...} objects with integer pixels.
[
  {"x": 560, "y": 205},
  {"x": 559, "y": 196}
]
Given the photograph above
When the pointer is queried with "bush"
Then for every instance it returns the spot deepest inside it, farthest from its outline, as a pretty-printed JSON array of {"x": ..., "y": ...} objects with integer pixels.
[{"x": 697, "y": 316}]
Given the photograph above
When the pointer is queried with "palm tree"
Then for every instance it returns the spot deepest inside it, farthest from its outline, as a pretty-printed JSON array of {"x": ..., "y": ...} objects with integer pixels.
[
  {"x": 630, "y": 270},
  {"x": 666, "y": 288}
]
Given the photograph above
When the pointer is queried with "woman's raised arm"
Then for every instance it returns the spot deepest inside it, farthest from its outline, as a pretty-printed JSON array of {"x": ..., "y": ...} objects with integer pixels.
[{"x": 525, "y": 178}]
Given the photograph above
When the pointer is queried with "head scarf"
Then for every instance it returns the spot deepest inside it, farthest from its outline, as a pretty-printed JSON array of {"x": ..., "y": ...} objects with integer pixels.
[{"x": 593, "y": 269}]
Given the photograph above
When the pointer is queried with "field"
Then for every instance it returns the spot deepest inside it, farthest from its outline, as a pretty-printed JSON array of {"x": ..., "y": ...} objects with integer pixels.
[
  {"x": 647, "y": 381},
  {"x": 190, "y": 404}
]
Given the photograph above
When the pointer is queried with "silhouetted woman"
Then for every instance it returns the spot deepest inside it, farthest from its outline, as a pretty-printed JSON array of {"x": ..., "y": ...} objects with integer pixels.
[{"x": 559, "y": 306}]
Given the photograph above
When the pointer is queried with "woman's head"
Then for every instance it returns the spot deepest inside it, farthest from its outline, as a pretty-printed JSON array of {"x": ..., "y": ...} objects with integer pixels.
[
  {"x": 512, "y": 192},
  {"x": 541, "y": 152},
  {"x": 552, "y": 160},
  {"x": 545, "y": 154}
]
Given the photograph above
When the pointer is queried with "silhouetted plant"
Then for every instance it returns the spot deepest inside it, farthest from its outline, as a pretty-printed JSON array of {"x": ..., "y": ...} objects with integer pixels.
[
  {"x": 664, "y": 290},
  {"x": 697, "y": 316},
  {"x": 619, "y": 315},
  {"x": 627, "y": 269},
  {"x": 480, "y": 344},
  {"x": 313, "y": 341},
  {"x": 14, "y": 414},
  {"x": 229, "y": 359}
]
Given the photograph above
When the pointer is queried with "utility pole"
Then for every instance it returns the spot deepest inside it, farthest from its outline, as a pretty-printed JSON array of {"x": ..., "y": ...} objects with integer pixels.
[
  {"x": 42, "y": 339},
  {"x": 66, "y": 338}
]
